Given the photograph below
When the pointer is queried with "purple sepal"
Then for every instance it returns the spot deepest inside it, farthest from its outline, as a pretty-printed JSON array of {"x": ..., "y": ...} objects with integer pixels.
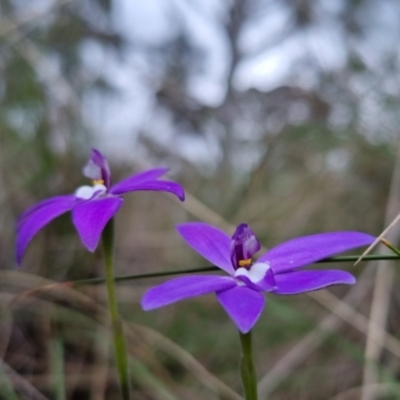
[
  {"x": 91, "y": 216},
  {"x": 124, "y": 186},
  {"x": 158, "y": 186},
  {"x": 306, "y": 250},
  {"x": 243, "y": 305},
  {"x": 183, "y": 288},
  {"x": 42, "y": 204},
  {"x": 306, "y": 281},
  {"x": 37, "y": 217},
  {"x": 210, "y": 242}
]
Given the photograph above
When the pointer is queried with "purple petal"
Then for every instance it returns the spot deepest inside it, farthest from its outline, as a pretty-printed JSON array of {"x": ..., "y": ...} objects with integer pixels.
[
  {"x": 158, "y": 186},
  {"x": 306, "y": 281},
  {"x": 124, "y": 186},
  {"x": 44, "y": 203},
  {"x": 37, "y": 217},
  {"x": 183, "y": 288},
  {"x": 212, "y": 243},
  {"x": 90, "y": 218},
  {"x": 306, "y": 250},
  {"x": 243, "y": 305},
  {"x": 97, "y": 168}
]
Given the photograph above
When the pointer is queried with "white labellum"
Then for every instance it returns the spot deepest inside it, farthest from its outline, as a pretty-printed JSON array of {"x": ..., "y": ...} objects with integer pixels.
[
  {"x": 87, "y": 192},
  {"x": 256, "y": 273}
]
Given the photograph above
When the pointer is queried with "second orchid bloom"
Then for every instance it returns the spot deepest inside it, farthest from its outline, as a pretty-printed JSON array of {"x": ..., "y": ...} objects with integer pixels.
[
  {"x": 276, "y": 271},
  {"x": 91, "y": 206}
]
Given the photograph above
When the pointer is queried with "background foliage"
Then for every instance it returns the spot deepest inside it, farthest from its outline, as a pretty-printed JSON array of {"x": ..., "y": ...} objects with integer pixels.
[{"x": 283, "y": 114}]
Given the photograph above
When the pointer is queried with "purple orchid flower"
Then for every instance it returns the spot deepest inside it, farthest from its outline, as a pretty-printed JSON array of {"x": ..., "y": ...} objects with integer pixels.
[
  {"x": 92, "y": 206},
  {"x": 276, "y": 271}
]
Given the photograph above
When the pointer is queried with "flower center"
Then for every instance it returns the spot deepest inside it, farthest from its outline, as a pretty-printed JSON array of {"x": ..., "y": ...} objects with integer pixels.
[
  {"x": 98, "y": 182},
  {"x": 88, "y": 192},
  {"x": 243, "y": 245},
  {"x": 255, "y": 273},
  {"x": 259, "y": 277},
  {"x": 245, "y": 263}
]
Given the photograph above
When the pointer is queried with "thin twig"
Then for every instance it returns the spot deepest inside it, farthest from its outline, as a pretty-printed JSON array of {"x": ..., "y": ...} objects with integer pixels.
[
  {"x": 357, "y": 320},
  {"x": 98, "y": 312},
  {"x": 304, "y": 347},
  {"x": 382, "y": 290},
  {"x": 8, "y": 26},
  {"x": 379, "y": 390},
  {"x": 160, "y": 274},
  {"x": 21, "y": 385}
]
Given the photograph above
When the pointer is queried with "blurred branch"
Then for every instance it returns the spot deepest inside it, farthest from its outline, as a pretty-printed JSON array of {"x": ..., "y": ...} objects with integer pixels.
[
  {"x": 8, "y": 26},
  {"x": 382, "y": 290},
  {"x": 159, "y": 274},
  {"x": 358, "y": 321},
  {"x": 153, "y": 337},
  {"x": 21, "y": 385},
  {"x": 380, "y": 390},
  {"x": 310, "y": 342},
  {"x": 96, "y": 312},
  {"x": 48, "y": 74},
  {"x": 132, "y": 277}
]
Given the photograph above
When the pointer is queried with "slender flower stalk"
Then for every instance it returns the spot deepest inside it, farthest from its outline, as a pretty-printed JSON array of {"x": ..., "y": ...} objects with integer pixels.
[
  {"x": 120, "y": 351},
  {"x": 247, "y": 368}
]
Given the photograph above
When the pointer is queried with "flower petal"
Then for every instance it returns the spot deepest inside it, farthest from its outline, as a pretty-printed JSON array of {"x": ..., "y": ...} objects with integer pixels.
[
  {"x": 90, "y": 217},
  {"x": 306, "y": 250},
  {"x": 158, "y": 186},
  {"x": 37, "y": 217},
  {"x": 150, "y": 175},
  {"x": 243, "y": 305},
  {"x": 306, "y": 281},
  {"x": 183, "y": 288},
  {"x": 212, "y": 243}
]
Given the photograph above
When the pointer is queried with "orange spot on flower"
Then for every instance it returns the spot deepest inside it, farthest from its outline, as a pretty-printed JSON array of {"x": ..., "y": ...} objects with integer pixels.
[{"x": 245, "y": 263}]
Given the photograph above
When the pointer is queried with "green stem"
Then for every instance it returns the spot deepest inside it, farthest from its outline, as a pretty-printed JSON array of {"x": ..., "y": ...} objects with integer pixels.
[
  {"x": 247, "y": 369},
  {"x": 121, "y": 278},
  {"x": 132, "y": 277},
  {"x": 391, "y": 246},
  {"x": 121, "y": 356}
]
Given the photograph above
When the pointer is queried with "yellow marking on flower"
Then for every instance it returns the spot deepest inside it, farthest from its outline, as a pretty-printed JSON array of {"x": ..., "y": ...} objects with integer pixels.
[
  {"x": 245, "y": 263},
  {"x": 98, "y": 182}
]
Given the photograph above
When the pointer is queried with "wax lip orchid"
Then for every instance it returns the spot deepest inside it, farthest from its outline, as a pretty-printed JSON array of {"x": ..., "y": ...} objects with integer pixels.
[
  {"x": 276, "y": 271},
  {"x": 92, "y": 206}
]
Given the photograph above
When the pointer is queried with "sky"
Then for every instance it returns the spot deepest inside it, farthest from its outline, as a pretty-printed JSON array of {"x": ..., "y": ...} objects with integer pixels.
[{"x": 274, "y": 52}]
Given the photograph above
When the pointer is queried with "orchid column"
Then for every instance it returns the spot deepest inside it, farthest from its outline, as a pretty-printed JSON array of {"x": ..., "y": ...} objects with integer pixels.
[{"x": 93, "y": 208}]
